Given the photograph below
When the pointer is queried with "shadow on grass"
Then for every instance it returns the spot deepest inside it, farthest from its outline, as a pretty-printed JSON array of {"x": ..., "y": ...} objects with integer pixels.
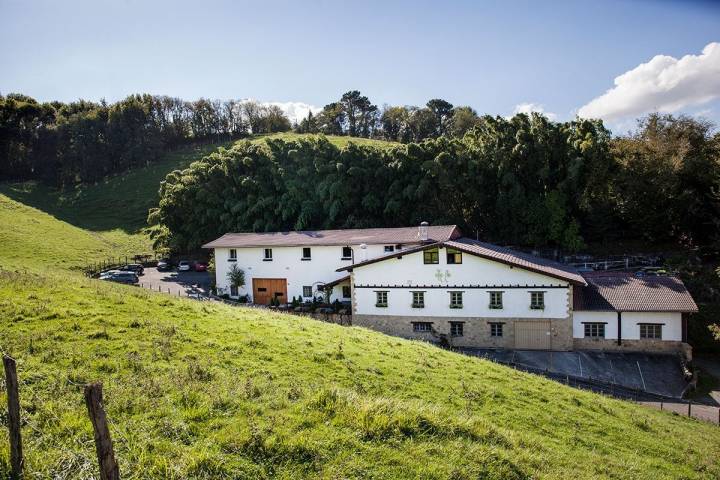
[{"x": 118, "y": 202}]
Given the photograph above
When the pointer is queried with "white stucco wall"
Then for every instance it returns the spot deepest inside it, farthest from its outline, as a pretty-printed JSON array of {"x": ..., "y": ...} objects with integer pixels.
[
  {"x": 287, "y": 263},
  {"x": 412, "y": 274},
  {"x": 671, "y": 321}
]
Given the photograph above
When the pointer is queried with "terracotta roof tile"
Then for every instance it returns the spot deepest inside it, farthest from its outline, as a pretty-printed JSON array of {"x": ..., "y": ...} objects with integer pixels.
[
  {"x": 402, "y": 235},
  {"x": 624, "y": 292}
]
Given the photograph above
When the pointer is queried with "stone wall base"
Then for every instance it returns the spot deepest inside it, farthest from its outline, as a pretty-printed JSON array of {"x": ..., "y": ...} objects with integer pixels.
[
  {"x": 645, "y": 345},
  {"x": 476, "y": 330}
]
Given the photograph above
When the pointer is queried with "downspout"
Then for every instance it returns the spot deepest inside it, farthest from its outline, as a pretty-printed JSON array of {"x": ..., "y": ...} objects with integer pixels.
[{"x": 619, "y": 329}]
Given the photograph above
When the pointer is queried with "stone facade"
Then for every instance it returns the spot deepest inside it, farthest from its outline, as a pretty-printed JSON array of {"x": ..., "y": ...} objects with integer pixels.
[
  {"x": 644, "y": 345},
  {"x": 476, "y": 331}
]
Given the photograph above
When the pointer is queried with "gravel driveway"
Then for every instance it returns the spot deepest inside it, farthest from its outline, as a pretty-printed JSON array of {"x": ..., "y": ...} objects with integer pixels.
[{"x": 175, "y": 283}]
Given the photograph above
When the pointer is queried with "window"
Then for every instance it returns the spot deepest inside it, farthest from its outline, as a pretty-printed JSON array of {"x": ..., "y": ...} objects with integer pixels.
[
  {"x": 496, "y": 329},
  {"x": 456, "y": 329},
  {"x": 233, "y": 255},
  {"x": 418, "y": 299},
  {"x": 307, "y": 291},
  {"x": 268, "y": 255},
  {"x": 651, "y": 331},
  {"x": 496, "y": 300},
  {"x": 307, "y": 253},
  {"x": 456, "y": 300},
  {"x": 381, "y": 299},
  {"x": 537, "y": 300},
  {"x": 454, "y": 257},
  {"x": 389, "y": 248},
  {"x": 594, "y": 330},
  {"x": 346, "y": 291},
  {"x": 346, "y": 253},
  {"x": 431, "y": 256},
  {"x": 422, "y": 327},
  {"x": 233, "y": 291}
]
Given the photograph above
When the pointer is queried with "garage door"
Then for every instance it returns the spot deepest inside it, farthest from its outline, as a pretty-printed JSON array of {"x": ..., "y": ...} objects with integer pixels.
[
  {"x": 533, "y": 335},
  {"x": 264, "y": 289}
]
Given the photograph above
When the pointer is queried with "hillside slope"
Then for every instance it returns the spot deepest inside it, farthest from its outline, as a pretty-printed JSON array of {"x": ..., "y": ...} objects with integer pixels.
[
  {"x": 32, "y": 239},
  {"x": 200, "y": 390}
]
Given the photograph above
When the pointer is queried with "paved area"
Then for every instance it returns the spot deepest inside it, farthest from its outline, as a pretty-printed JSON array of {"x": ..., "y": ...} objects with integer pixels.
[
  {"x": 656, "y": 374},
  {"x": 175, "y": 283}
]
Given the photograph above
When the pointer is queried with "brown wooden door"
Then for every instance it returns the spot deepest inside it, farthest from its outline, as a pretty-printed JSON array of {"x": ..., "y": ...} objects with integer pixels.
[
  {"x": 533, "y": 335},
  {"x": 264, "y": 289}
]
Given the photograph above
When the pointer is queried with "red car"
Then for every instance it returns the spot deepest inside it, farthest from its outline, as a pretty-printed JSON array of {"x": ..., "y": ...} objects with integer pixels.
[{"x": 200, "y": 267}]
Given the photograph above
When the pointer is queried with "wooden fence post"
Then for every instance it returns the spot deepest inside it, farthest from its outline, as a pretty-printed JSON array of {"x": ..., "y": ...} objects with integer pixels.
[
  {"x": 13, "y": 400},
  {"x": 103, "y": 444}
]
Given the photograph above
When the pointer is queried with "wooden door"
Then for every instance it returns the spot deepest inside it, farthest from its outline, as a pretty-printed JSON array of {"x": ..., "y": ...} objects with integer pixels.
[
  {"x": 533, "y": 335},
  {"x": 264, "y": 289}
]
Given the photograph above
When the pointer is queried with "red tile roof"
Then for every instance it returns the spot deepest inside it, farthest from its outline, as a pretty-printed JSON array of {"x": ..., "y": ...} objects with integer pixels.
[
  {"x": 518, "y": 259},
  {"x": 624, "y": 292},
  {"x": 495, "y": 253},
  {"x": 402, "y": 235}
]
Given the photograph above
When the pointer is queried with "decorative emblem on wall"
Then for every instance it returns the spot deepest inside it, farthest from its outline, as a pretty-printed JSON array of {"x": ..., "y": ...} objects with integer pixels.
[{"x": 442, "y": 276}]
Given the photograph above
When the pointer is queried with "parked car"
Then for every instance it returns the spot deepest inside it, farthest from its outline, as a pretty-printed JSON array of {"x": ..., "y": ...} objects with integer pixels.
[
  {"x": 200, "y": 267},
  {"x": 184, "y": 266},
  {"x": 120, "y": 276},
  {"x": 133, "y": 267},
  {"x": 164, "y": 265}
]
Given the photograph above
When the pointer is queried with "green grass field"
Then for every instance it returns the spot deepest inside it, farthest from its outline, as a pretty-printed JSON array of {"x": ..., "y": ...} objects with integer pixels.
[{"x": 201, "y": 390}]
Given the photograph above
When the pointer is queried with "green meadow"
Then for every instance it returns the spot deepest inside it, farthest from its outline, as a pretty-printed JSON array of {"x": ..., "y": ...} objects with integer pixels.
[{"x": 202, "y": 390}]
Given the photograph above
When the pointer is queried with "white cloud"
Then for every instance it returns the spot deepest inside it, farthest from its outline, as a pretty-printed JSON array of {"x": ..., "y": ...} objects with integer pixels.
[
  {"x": 664, "y": 84},
  {"x": 295, "y": 111},
  {"x": 533, "y": 107}
]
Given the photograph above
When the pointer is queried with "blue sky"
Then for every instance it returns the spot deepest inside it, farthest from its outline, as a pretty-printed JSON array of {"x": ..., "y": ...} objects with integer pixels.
[{"x": 494, "y": 56}]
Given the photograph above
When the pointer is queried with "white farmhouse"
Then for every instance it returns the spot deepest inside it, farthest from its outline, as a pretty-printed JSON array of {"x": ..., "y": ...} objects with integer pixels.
[{"x": 431, "y": 283}]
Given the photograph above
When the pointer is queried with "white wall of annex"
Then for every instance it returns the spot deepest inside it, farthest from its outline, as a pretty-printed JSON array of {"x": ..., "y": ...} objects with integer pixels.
[
  {"x": 671, "y": 321},
  {"x": 610, "y": 318}
]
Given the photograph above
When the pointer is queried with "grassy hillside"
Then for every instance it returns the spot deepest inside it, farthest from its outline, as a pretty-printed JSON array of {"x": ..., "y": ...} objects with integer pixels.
[
  {"x": 198, "y": 390},
  {"x": 202, "y": 390},
  {"x": 32, "y": 239}
]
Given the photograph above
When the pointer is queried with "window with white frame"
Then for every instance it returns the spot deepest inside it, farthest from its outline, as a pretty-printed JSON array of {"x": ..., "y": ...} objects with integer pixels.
[
  {"x": 456, "y": 329},
  {"x": 267, "y": 255},
  {"x": 594, "y": 330},
  {"x": 346, "y": 253},
  {"x": 422, "y": 326},
  {"x": 306, "y": 253},
  {"x": 233, "y": 290},
  {"x": 496, "y": 300},
  {"x": 651, "y": 331},
  {"x": 537, "y": 300},
  {"x": 418, "y": 299},
  {"x": 346, "y": 291},
  {"x": 389, "y": 248},
  {"x": 233, "y": 255},
  {"x": 456, "y": 299},
  {"x": 307, "y": 291},
  {"x": 381, "y": 299},
  {"x": 496, "y": 329}
]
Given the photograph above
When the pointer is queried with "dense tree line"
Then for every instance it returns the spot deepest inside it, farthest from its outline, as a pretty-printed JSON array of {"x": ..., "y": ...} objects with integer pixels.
[
  {"x": 66, "y": 143},
  {"x": 521, "y": 181},
  {"x": 356, "y": 116}
]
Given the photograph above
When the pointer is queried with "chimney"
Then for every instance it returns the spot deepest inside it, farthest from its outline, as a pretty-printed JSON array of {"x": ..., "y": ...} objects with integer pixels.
[
  {"x": 363, "y": 252},
  {"x": 423, "y": 231}
]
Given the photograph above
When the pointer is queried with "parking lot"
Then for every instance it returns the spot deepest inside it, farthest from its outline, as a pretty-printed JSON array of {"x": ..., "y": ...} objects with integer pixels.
[
  {"x": 174, "y": 282},
  {"x": 656, "y": 374}
]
